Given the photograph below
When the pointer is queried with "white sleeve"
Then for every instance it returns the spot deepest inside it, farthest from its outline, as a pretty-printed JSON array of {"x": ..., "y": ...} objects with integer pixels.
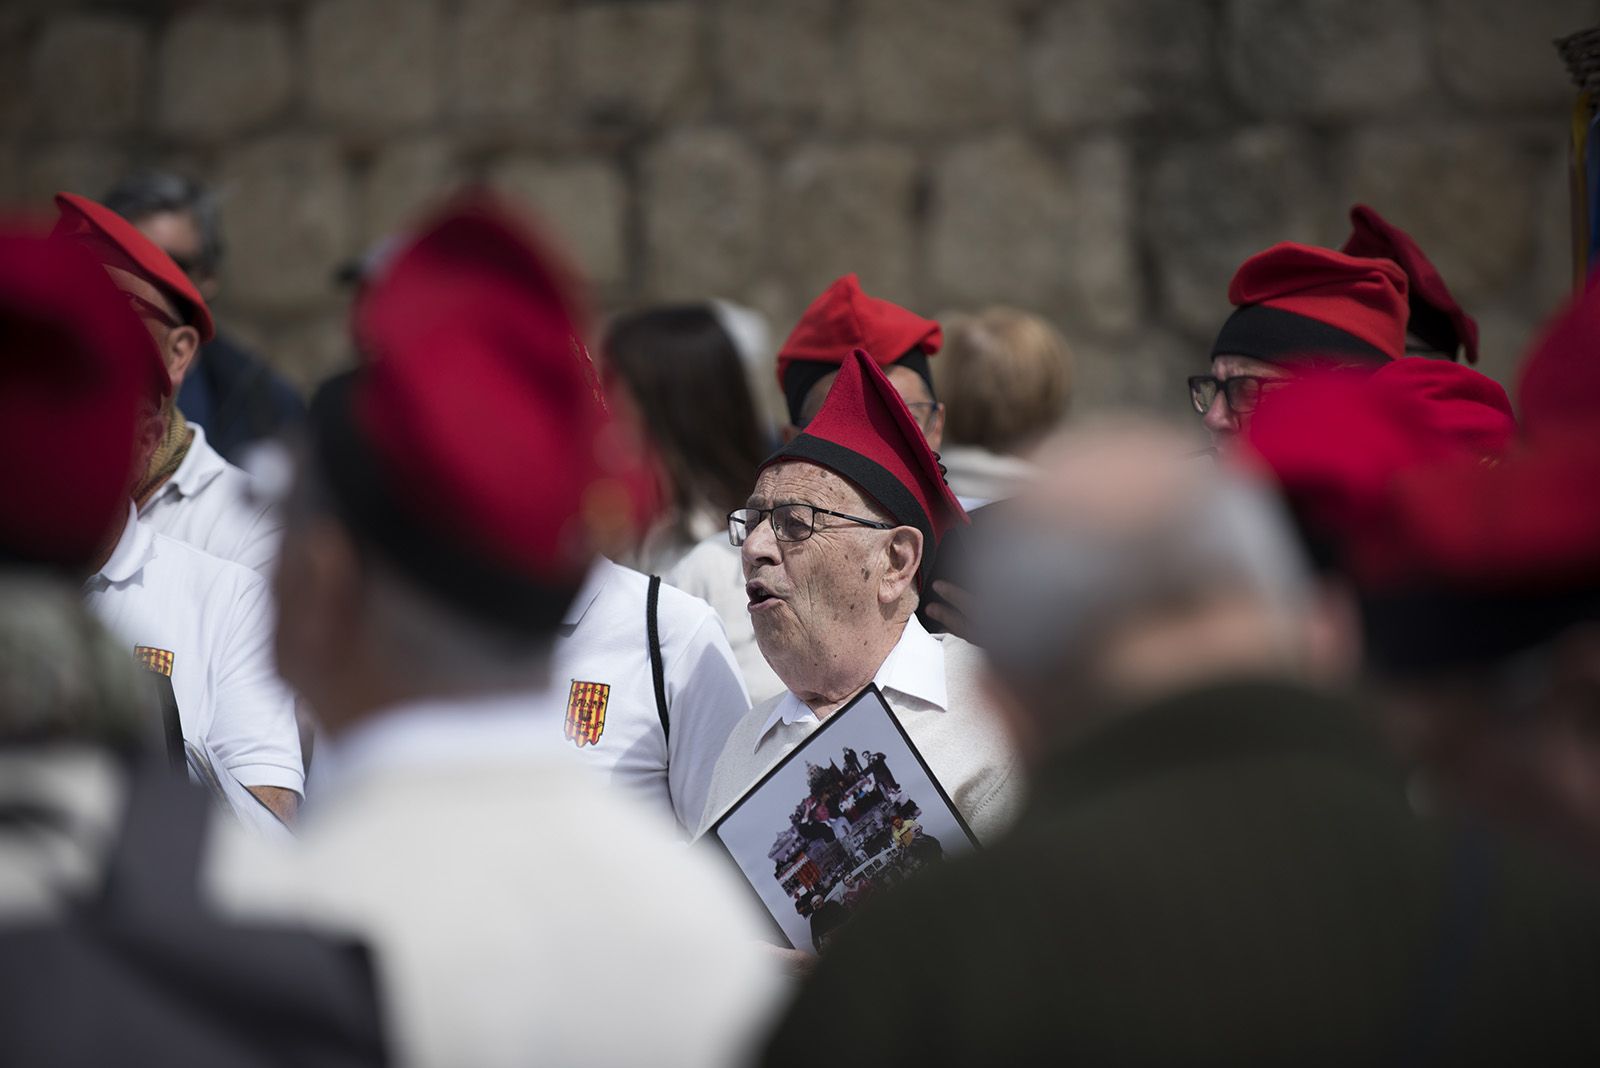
[
  {"x": 253, "y": 730},
  {"x": 706, "y": 698}
]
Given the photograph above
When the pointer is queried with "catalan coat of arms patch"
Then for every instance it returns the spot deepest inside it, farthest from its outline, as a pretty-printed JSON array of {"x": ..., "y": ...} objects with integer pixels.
[
  {"x": 586, "y": 712},
  {"x": 157, "y": 660}
]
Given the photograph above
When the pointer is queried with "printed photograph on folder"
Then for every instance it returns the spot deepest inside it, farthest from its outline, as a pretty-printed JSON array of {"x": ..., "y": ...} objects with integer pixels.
[{"x": 846, "y": 815}]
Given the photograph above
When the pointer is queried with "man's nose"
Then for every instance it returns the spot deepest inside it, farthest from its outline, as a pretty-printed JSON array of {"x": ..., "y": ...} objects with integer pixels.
[
  {"x": 760, "y": 546},
  {"x": 1219, "y": 417}
]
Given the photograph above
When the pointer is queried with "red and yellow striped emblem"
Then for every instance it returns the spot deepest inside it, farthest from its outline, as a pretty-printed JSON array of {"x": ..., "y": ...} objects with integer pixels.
[
  {"x": 586, "y": 712},
  {"x": 157, "y": 660}
]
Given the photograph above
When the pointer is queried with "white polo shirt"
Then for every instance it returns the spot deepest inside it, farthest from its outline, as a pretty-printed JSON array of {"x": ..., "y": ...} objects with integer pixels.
[
  {"x": 713, "y": 572},
  {"x": 215, "y": 619},
  {"x": 601, "y": 670},
  {"x": 209, "y": 503},
  {"x": 934, "y": 684}
]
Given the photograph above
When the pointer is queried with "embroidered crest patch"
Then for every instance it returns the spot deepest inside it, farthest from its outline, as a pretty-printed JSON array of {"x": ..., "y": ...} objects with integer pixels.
[
  {"x": 586, "y": 712},
  {"x": 157, "y": 660}
]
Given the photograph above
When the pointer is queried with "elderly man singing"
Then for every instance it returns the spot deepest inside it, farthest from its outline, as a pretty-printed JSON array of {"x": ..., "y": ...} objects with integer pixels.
[{"x": 835, "y": 543}]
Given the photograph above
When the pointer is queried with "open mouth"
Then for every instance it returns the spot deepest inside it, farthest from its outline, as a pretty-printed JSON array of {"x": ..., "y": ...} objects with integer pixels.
[{"x": 759, "y": 596}]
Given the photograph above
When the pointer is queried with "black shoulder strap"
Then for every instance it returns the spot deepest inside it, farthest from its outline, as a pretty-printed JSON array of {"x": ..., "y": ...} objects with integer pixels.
[
  {"x": 658, "y": 673},
  {"x": 171, "y": 721}
]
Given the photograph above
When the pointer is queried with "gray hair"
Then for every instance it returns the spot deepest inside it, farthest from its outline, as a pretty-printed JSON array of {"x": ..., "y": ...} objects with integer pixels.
[
  {"x": 61, "y": 675},
  {"x": 146, "y": 193},
  {"x": 1048, "y": 592}
]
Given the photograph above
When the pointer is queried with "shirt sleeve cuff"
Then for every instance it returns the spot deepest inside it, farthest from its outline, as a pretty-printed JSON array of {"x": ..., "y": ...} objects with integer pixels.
[{"x": 270, "y": 775}]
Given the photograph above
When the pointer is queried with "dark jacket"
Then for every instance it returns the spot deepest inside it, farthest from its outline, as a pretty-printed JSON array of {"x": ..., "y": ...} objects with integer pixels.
[
  {"x": 237, "y": 398},
  {"x": 1231, "y": 877}
]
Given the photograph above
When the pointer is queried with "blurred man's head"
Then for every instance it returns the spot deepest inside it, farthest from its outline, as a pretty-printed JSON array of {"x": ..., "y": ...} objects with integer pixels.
[
  {"x": 1009, "y": 377},
  {"x": 167, "y": 301},
  {"x": 419, "y": 558},
  {"x": 1134, "y": 570},
  {"x": 180, "y": 216},
  {"x": 1297, "y": 308},
  {"x": 842, "y": 320}
]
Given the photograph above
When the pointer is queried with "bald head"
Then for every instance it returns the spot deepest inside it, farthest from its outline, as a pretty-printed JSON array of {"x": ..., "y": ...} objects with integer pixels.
[{"x": 1134, "y": 567}]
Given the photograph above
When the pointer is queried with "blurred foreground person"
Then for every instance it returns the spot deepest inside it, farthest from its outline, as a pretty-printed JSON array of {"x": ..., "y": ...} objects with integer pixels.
[
  {"x": 685, "y": 379},
  {"x": 836, "y": 540},
  {"x": 229, "y": 390},
  {"x": 1483, "y": 606},
  {"x": 520, "y": 909},
  {"x": 105, "y": 954},
  {"x": 1219, "y": 864},
  {"x": 186, "y": 490},
  {"x": 1298, "y": 309},
  {"x": 197, "y": 621}
]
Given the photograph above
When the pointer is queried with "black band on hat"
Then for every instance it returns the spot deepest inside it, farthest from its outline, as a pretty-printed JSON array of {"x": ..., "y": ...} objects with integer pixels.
[
  {"x": 1272, "y": 334},
  {"x": 801, "y": 375},
  {"x": 1432, "y": 327},
  {"x": 1414, "y": 634},
  {"x": 873, "y": 479},
  {"x": 429, "y": 551}
]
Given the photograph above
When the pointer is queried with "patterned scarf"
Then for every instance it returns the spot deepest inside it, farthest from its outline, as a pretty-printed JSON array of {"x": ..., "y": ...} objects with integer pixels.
[{"x": 168, "y": 455}]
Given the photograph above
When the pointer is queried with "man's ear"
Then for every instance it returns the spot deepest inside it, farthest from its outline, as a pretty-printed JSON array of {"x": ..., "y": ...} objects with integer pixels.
[
  {"x": 904, "y": 552},
  {"x": 181, "y": 348}
]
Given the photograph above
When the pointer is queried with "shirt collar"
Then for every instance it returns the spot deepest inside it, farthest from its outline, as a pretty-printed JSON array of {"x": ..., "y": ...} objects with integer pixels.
[
  {"x": 441, "y": 732},
  {"x": 200, "y": 465},
  {"x": 913, "y": 668},
  {"x": 135, "y": 547},
  {"x": 593, "y": 582}
]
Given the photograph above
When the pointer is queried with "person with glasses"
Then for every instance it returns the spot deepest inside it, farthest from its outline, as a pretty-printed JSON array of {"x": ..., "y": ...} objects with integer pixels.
[
  {"x": 1298, "y": 308},
  {"x": 836, "y": 541},
  {"x": 841, "y": 320},
  {"x": 188, "y": 491}
]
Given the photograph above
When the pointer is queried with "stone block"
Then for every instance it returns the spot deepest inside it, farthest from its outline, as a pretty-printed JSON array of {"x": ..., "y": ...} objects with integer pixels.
[
  {"x": 1145, "y": 370},
  {"x": 1325, "y": 57},
  {"x": 636, "y": 62},
  {"x": 704, "y": 199},
  {"x": 87, "y": 168},
  {"x": 1208, "y": 205},
  {"x": 221, "y": 73},
  {"x": 503, "y": 60},
  {"x": 309, "y": 348},
  {"x": 89, "y": 73},
  {"x": 1012, "y": 225},
  {"x": 289, "y": 222},
  {"x": 583, "y": 202},
  {"x": 16, "y": 105},
  {"x": 940, "y": 65},
  {"x": 374, "y": 63},
  {"x": 848, "y": 209},
  {"x": 1100, "y": 61},
  {"x": 1465, "y": 193},
  {"x": 405, "y": 180},
  {"x": 778, "y": 59},
  {"x": 1493, "y": 53}
]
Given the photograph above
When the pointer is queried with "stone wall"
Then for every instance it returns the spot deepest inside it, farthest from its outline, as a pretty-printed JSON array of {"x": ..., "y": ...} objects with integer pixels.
[{"x": 1105, "y": 162}]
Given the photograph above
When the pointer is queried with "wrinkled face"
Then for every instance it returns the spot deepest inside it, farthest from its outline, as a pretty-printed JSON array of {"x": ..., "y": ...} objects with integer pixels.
[
  {"x": 807, "y": 597},
  {"x": 1220, "y": 418},
  {"x": 912, "y": 389}
]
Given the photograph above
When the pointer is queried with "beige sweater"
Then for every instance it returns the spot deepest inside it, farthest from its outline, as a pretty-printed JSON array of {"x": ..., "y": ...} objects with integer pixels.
[{"x": 966, "y": 746}]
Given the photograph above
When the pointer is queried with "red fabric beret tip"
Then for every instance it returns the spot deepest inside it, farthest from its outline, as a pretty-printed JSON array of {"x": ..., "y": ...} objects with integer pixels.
[
  {"x": 864, "y": 418},
  {"x": 1559, "y": 385},
  {"x": 1372, "y": 235},
  {"x": 74, "y": 370},
  {"x": 1363, "y": 297},
  {"x": 1336, "y": 442},
  {"x": 81, "y": 216},
  {"x": 479, "y": 396},
  {"x": 844, "y": 319}
]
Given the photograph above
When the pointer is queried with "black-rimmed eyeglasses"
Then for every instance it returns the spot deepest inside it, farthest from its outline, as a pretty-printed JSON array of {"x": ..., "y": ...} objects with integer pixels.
[
  {"x": 1243, "y": 392},
  {"x": 790, "y": 522}
]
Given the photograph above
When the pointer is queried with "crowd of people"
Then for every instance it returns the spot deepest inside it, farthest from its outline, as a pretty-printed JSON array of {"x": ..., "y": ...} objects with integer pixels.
[{"x": 389, "y": 728}]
